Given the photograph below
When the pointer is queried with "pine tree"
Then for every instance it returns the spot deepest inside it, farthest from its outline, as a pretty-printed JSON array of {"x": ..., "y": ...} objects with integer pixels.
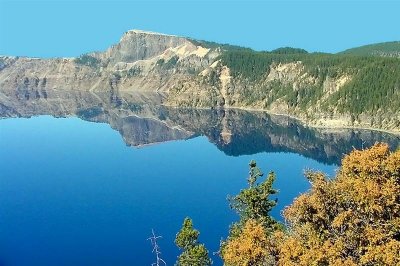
[
  {"x": 249, "y": 239},
  {"x": 193, "y": 253}
]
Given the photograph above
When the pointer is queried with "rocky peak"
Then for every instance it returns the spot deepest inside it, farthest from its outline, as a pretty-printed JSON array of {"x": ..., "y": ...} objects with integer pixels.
[
  {"x": 137, "y": 45},
  {"x": 136, "y": 31}
]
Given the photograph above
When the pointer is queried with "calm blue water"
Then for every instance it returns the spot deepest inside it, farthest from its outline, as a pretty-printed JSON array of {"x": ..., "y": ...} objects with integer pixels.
[{"x": 73, "y": 193}]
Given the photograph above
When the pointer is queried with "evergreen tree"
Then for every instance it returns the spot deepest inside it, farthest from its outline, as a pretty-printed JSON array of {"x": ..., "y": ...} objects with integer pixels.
[
  {"x": 249, "y": 239},
  {"x": 194, "y": 253},
  {"x": 254, "y": 203}
]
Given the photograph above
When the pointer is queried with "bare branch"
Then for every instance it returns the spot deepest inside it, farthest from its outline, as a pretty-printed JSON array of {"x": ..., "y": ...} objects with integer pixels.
[{"x": 156, "y": 249}]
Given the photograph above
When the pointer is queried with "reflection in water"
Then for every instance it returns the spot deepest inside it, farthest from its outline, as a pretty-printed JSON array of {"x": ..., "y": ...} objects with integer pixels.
[
  {"x": 239, "y": 132},
  {"x": 142, "y": 120},
  {"x": 101, "y": 199}
]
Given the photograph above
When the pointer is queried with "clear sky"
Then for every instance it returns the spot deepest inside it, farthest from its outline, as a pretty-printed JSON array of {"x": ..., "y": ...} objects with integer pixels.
[{"x": 70, "y": 28}]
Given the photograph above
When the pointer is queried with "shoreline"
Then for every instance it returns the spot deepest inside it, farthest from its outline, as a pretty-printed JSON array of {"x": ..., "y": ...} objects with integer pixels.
[{"x": 310, "y": 125}]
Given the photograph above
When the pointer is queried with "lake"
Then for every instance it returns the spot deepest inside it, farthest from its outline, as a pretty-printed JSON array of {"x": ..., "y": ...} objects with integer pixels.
[{"x": 85, "y": 177}]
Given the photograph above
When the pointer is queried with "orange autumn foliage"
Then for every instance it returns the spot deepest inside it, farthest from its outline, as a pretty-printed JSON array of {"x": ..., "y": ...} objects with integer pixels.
[
  {"x": 251, "y": 247},
  {"x": 351, "y": 219}
]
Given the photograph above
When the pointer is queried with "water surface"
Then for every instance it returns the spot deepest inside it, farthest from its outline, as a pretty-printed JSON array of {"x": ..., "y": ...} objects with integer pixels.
[{"x": 86, "y": 188}]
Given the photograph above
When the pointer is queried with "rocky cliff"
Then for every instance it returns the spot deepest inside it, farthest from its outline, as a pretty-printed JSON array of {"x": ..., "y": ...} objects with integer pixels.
[
  {"x": 188, "y": 73},
  {"x": 140, "y": 61}
]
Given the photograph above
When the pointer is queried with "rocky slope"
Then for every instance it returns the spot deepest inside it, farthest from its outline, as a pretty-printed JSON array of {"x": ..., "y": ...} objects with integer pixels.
[
  {"x": 140, "y": 61},
  {"x": 188, "y": 73}
]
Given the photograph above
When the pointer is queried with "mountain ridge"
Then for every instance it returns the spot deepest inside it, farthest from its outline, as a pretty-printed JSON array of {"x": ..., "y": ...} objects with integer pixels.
[
  {"x": 385, "y": 49},
  {"x": 321, "y": 90}
]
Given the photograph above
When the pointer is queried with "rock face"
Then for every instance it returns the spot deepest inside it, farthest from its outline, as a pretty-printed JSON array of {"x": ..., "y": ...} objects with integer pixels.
[
  {"x": 140, "y": 45},
  {"x": 184, "y": 73},
  {"x": 143, "y": 61}
]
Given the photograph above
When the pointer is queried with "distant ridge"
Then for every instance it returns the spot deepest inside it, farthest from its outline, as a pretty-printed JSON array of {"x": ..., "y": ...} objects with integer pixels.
[{"x": 386, "y": 49}]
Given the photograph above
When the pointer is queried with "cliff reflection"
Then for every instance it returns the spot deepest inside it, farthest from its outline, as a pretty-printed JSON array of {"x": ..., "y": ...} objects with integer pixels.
[{"x": 142, "y": 120}]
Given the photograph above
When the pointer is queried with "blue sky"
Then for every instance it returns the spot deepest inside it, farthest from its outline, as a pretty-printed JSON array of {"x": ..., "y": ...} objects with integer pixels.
[{"x": 70, "y": 28}]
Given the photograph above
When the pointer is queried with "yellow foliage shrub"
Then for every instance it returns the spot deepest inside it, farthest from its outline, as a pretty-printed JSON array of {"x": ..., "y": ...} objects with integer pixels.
[
  {"x": 251, "y": 247},
  {"x": 352, "y": 219}
]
